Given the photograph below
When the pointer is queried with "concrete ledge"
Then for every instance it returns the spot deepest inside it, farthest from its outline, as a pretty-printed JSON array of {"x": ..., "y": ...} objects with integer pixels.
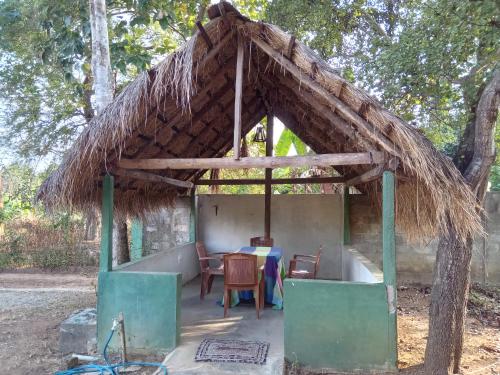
[
  {"x": 182, "y": 259},
  {"x": 357, "y": 267}
]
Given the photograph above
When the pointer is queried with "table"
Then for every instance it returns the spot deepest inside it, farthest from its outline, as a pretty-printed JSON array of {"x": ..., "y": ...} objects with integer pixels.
[{"x": 274, "y": 273}]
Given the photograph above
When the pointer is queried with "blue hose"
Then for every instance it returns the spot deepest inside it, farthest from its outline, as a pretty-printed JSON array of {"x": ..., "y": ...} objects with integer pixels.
[{"x": 109, "y": 368}]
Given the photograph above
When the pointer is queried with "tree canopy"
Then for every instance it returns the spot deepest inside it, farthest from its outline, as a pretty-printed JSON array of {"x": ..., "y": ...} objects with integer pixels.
[{"x": 397, "y": 50}]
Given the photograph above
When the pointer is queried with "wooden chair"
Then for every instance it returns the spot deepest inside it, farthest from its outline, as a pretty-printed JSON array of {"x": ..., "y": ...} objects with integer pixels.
[
  {"x": 241, "y": 273},
  {"x": 208, "y": 273},
  {"x": 295, "y": 273},
  {"x": 261, "y": 241}
]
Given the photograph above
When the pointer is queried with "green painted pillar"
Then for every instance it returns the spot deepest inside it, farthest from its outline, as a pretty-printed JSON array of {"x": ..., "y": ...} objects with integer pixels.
[
  {"x": 347, "y": 227},
  {"x": 106, "y": 255},
  {"x": 136, "y": 239},
  {"x": 389, "y": 257},
  {"x": 193, "y": 217}
]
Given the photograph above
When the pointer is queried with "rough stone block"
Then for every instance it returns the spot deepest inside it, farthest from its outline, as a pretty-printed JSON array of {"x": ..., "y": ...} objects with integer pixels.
[{"x": 78, "y": 332}]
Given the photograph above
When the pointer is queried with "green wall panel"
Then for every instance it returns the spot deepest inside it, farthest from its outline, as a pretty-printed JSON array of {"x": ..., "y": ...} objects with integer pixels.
[
  {"x": 150, "y": 302},
  {"x": 136, "y": 240},
  {"x": 337, "y": 325}
]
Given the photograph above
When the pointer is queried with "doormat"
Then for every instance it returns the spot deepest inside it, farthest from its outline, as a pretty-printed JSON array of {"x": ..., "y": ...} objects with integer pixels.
[{"x": 217, "y": 350}]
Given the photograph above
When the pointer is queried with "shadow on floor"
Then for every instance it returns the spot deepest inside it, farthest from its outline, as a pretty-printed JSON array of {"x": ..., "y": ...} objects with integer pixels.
[{"x": 205, "y": 319}]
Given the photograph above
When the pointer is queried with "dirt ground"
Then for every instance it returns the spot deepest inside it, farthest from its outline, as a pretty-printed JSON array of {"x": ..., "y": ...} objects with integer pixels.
[
  {"x": 32, "y": 306},
  {"x": 482, "y": 338}
]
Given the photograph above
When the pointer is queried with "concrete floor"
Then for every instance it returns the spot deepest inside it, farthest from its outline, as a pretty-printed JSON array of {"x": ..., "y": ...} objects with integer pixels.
[{"x": 205, "y": 319}]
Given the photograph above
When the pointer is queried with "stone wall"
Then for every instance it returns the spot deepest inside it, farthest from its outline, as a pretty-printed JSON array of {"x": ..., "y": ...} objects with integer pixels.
[
  {"x": 416, "y": 261},
  {"x": 167, "y": 228}
]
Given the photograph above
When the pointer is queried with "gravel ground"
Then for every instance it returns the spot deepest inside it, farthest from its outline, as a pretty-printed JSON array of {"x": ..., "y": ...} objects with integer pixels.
[{"x": 31, "y": 310}]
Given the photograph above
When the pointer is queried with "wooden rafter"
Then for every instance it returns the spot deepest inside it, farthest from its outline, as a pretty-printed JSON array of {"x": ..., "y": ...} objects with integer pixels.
[
  {"x": 371, "y": 175},
  {"x": 363, "y": 126},
  {"x": 151, "y": 177},
  {"x": 254, "y": 119}
]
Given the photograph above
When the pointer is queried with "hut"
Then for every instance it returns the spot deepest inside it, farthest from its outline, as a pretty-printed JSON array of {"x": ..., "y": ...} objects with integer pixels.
[{"x": 159, "y": 136}]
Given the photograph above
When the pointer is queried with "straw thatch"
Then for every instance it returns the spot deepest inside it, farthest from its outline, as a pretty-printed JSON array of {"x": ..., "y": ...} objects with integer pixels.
[{"x": 184, "y": 108}]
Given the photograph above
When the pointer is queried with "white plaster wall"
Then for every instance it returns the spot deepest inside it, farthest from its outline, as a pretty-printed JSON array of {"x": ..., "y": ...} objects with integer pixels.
[
  {"x": 299, "y": 224},
  {"x": 356, "y": 267},
  {"x": 182, "y": 259}
]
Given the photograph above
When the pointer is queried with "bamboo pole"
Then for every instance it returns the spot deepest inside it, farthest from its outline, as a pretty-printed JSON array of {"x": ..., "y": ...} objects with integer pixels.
[
  {"x": 238, "y": 94},
  {"x": 268, "y": 177}
]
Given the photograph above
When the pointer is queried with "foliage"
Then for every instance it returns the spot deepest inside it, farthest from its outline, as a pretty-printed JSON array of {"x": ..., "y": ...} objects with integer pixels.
[
  {"x": 45, "y": 72},
  {"x": 32, "y": 238},
  {"x": 48, "y": 243},
  {"x": 427, "y": 61}
]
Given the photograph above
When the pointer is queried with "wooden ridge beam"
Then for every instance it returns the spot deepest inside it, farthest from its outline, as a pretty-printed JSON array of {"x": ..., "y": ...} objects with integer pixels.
[
  {"x": 321, "y": 160},
  {"x": 274, "y": 181},
  {"x": 363, "y": 126},
  {"x": 151, "y": 177}
]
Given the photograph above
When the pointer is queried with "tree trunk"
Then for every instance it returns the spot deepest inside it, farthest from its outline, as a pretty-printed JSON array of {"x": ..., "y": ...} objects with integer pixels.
[
  {"x": 452, "y": 270},
  {"x": 91, "y": 223},
  {"x": 103, "y": 92},
  {"x": 101, "y": 65},
  {"x": 2, "y": 225}
]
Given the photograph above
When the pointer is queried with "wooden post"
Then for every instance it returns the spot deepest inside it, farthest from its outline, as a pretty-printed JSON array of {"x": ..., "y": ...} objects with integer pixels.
[
  {"x": 389, "y": 257},
  {"x": 192, "y": 217},
  {"x": 238, "y": 93},
  {"x": 347, "y": 228},
  {"x": 269, "y": 176},
  {"x": 121, "y": 322},
  {"x": 106, "y": 255}
]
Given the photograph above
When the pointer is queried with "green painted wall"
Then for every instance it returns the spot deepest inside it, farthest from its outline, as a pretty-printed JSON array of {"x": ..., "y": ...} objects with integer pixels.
[
  {"x": 136, "y": 240},
  {"x": 389, "y": 255},
  {"x": 150, "y": 302},
  {"x": 342, "y": 326}
]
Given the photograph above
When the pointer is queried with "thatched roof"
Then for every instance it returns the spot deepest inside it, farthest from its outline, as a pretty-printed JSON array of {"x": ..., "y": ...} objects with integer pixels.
[{"x": 184, "y": 107}]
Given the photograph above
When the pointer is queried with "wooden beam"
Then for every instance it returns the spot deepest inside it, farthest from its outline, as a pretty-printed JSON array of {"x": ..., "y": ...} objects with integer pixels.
[
  {"x": 368, "y": 176},
  {"x": 151, "y": 177},
  {"x": 204, "y": 35},
  {"x": 325, "y": 112},
  {"x": 321, "y": 160},
  {"x": 363, "y": 126},
  {"x": 238, "y": 93},
  {"x": 274, "y": 181},
  {"x": 269, "y": 176}
]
